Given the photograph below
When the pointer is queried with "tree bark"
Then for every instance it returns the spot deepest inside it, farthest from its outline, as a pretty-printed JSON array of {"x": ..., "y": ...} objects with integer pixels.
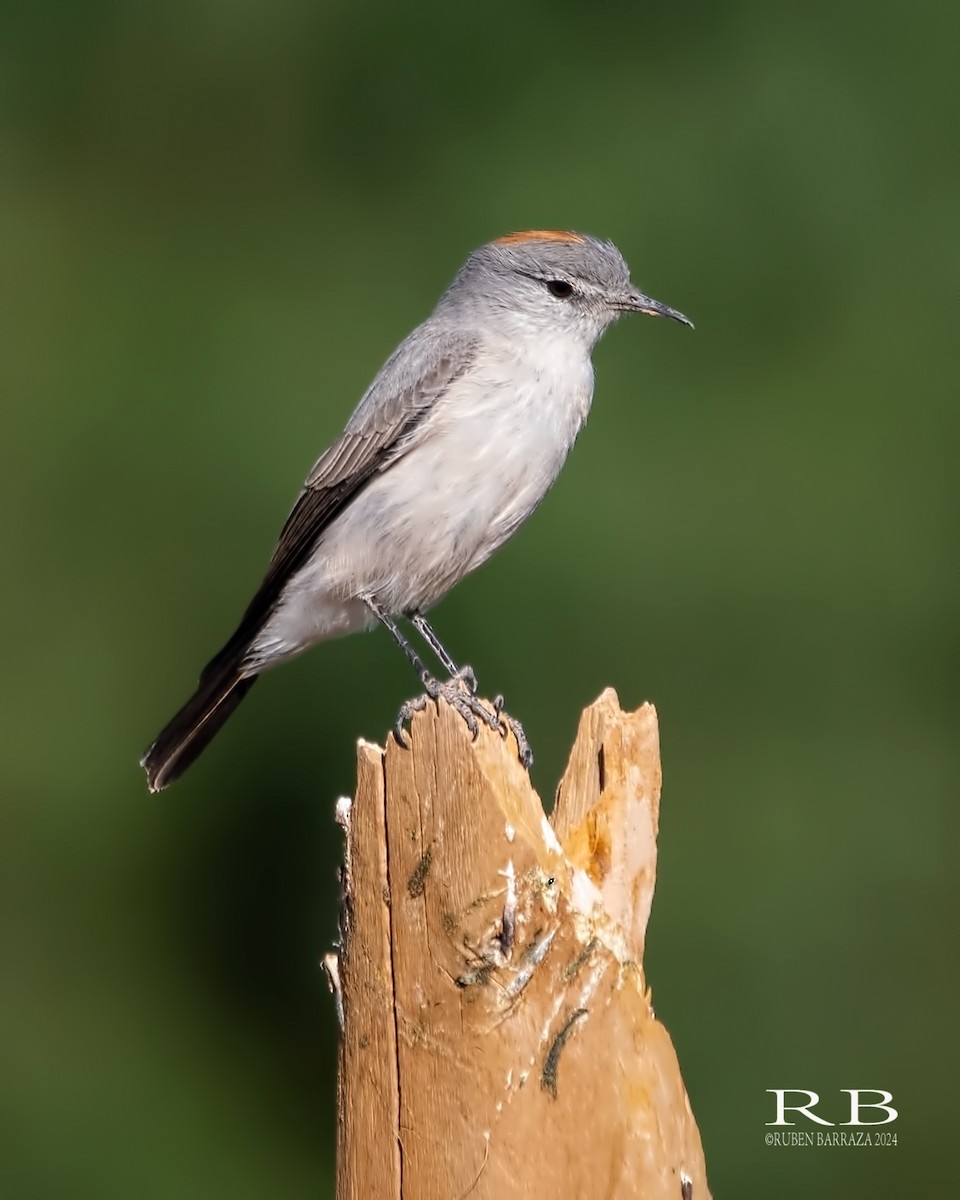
[{"x": 498, "y": 1037}]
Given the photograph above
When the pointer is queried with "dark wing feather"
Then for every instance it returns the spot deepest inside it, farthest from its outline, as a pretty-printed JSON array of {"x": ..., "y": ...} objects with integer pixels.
[{"x": 383, "y": 427}]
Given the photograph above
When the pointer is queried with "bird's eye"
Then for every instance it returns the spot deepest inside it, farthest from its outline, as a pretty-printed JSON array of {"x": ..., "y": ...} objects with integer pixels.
[{"x": 560, "y": 288}]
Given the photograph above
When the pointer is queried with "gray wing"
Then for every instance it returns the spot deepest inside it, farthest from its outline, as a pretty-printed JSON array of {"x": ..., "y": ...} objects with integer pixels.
[{"x": 389, "y": 419}]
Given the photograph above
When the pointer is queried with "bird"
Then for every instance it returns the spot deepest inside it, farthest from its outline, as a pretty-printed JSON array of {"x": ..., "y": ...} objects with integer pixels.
[{"x": 456, "y": 441}]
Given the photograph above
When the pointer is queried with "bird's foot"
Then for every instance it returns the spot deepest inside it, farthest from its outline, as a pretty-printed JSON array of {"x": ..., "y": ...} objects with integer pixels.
[
  {"x": 459, "y": 692},
  {"x": 405, "y": 716},
  {"x": 524, "y": 753}
]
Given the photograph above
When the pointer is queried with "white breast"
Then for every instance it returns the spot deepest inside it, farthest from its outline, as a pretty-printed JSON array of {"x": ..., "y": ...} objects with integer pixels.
[
  {"x": 487, "y": 456},
  {"x": 528, "y": 426}
]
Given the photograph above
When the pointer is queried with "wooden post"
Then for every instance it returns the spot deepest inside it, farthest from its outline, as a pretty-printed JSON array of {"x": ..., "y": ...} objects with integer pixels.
[{"x": 498, "y": 1038}]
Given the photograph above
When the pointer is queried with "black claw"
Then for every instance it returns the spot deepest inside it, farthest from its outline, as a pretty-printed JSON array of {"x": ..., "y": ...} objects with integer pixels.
[
  {"x": 417, "y": 704},
  {"x": 524, "y": 753}
]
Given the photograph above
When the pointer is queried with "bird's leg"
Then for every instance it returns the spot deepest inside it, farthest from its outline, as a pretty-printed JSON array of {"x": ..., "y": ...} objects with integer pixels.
[
  {"x": 418, "y": 702},
  {"x": 391, "y": 626},
  {"x": 465, "y": 674},
  {"x": 465, "y": 703}
]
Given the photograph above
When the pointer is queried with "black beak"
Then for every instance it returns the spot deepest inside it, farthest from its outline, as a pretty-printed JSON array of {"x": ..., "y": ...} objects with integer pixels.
[{"x": 635, "y": 301}]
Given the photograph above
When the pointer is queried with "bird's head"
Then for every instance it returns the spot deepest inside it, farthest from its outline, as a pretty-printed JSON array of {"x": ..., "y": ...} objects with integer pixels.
[{"x": 551, "y": 282}]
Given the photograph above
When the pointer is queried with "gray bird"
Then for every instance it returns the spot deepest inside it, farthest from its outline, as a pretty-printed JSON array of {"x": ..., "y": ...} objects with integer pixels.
[{"x": 452, "y": 447}]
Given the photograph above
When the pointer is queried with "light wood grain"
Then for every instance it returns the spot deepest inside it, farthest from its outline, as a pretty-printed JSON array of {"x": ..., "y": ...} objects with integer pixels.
[{"x": 499, "y": 1040}]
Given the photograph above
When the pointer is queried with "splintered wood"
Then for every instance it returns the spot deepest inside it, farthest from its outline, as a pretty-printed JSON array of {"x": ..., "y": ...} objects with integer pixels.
[{"x": 498, "y": 1036}]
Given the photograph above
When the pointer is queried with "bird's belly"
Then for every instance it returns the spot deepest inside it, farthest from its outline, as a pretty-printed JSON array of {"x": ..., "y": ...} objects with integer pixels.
[
  {"x": 453, "y": 500},
  {"x": 493, "y": 449},
  {"x": 414, "y": 531}
]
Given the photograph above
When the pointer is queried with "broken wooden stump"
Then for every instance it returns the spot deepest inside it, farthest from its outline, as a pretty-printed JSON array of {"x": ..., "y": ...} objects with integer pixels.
[{"x": 498, "y": 1037}]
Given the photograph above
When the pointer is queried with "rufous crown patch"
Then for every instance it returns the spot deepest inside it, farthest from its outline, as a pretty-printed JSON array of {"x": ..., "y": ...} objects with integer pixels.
[{"x": 539, "y": 235}]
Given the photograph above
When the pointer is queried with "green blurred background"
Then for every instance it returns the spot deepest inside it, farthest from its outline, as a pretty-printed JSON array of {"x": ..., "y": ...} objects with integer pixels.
[{"x": 216, "y": 220}]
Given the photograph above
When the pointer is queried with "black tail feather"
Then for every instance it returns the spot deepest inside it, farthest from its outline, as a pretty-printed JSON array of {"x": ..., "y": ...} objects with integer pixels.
[{"x": 184, "y": 738}]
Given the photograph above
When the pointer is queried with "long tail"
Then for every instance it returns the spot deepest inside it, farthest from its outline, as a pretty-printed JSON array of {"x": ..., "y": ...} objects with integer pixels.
[{"x": 184, "y": 738}]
